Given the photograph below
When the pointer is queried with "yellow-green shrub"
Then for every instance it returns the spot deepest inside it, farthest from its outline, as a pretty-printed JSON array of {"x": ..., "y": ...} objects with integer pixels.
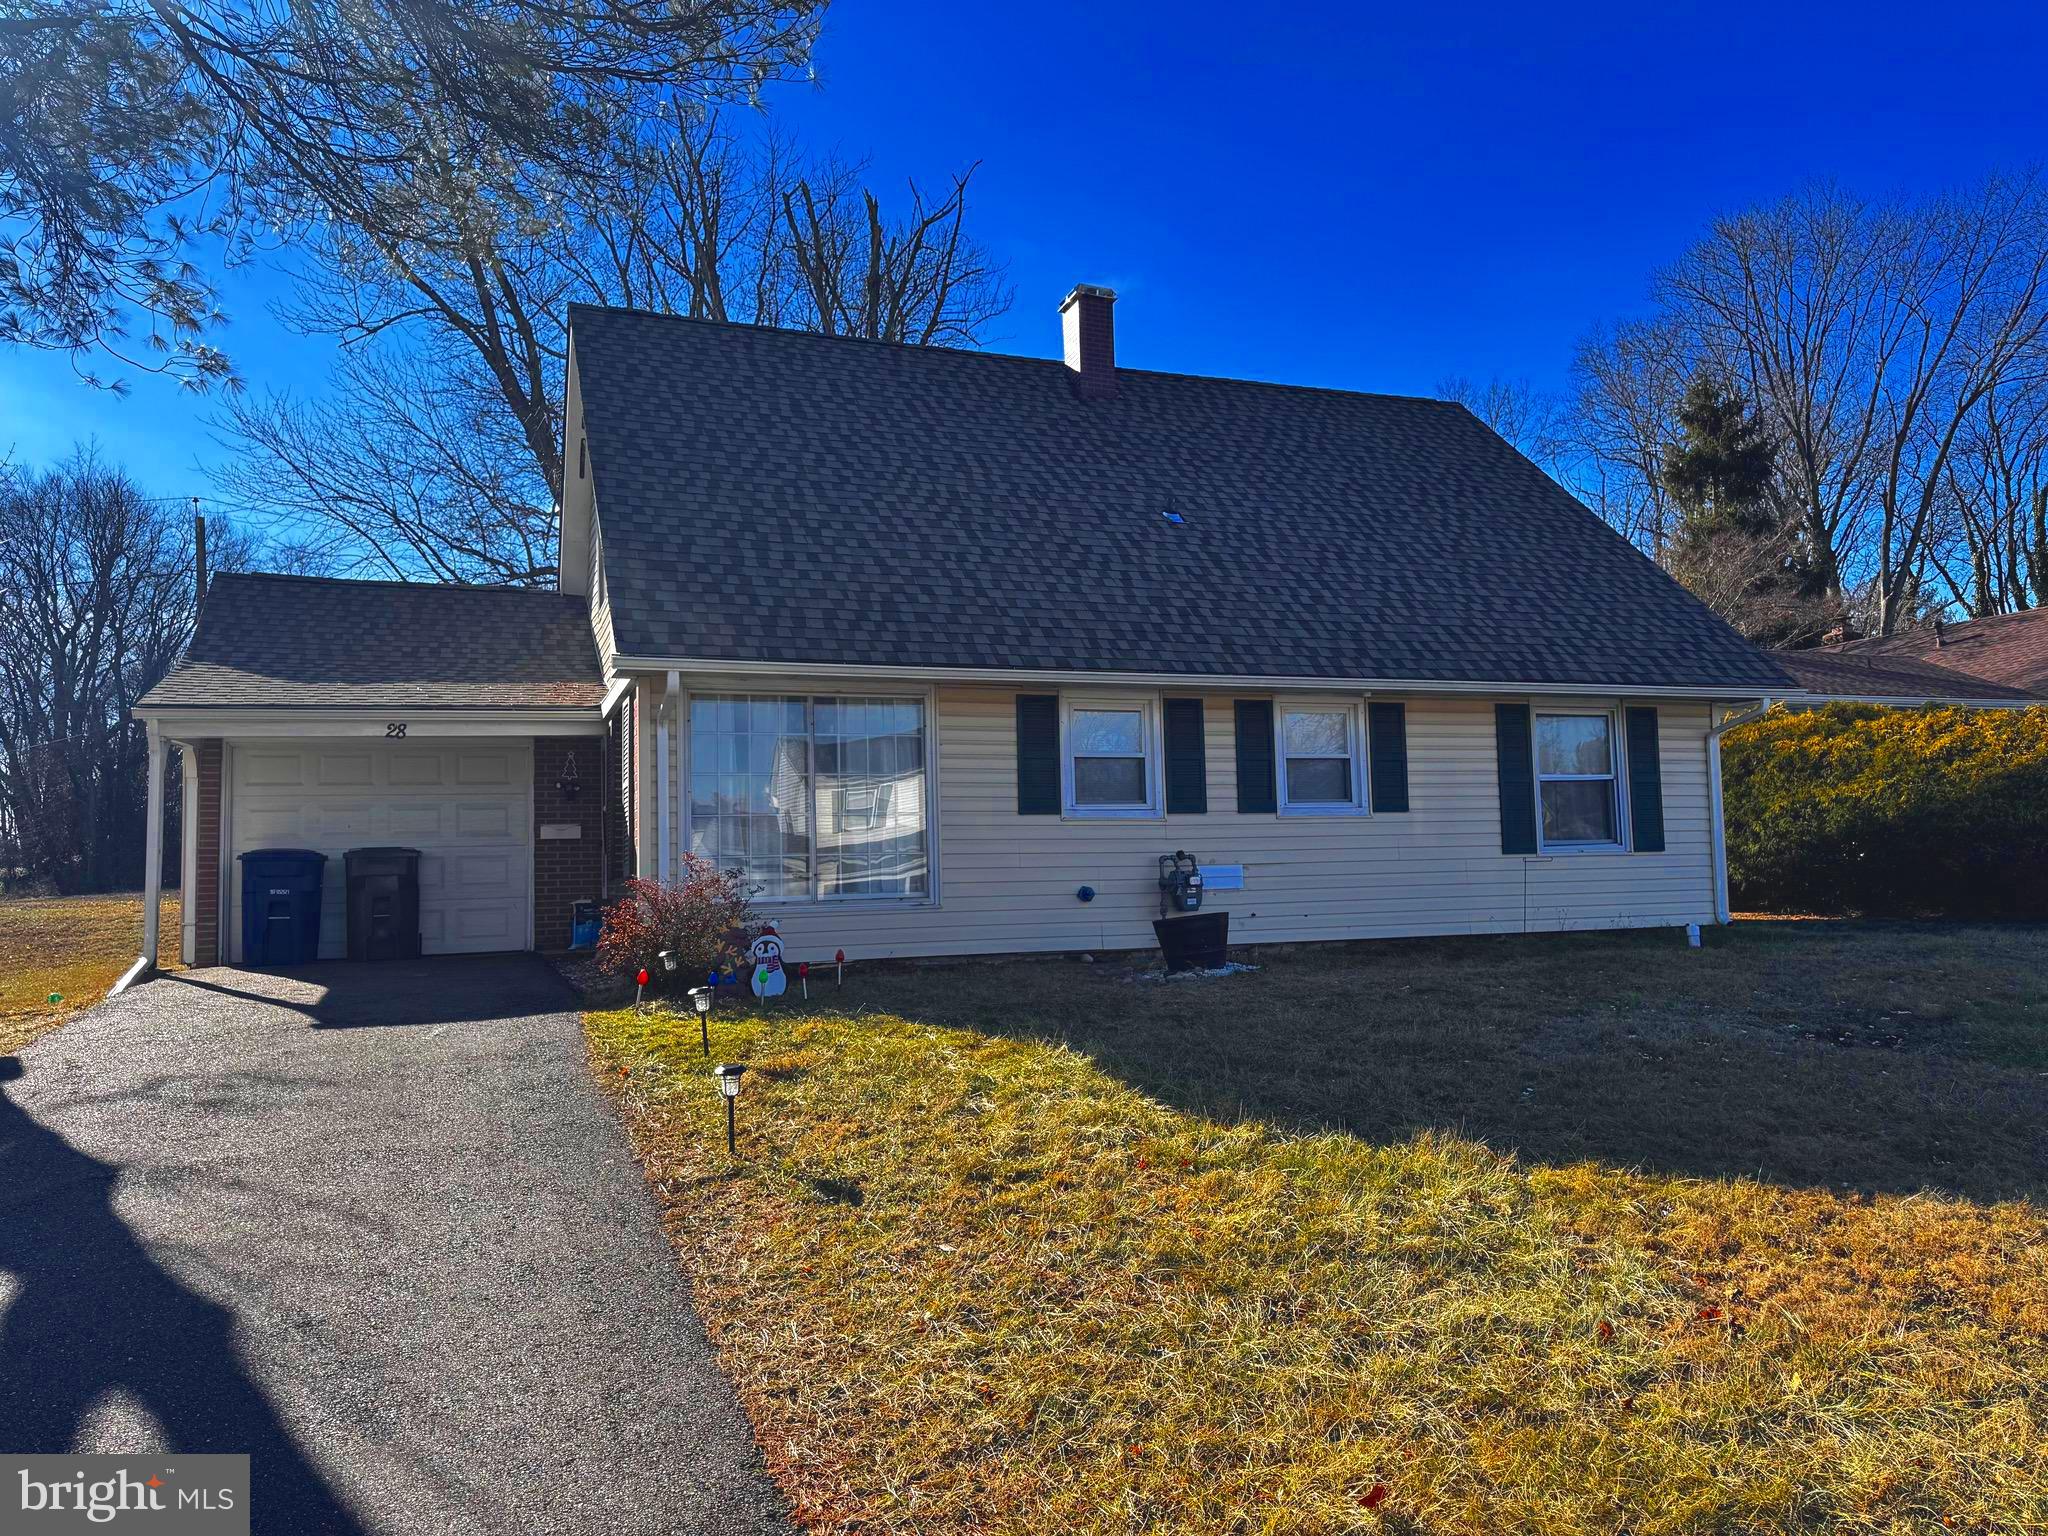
[{"x": 1890, "y": 812}]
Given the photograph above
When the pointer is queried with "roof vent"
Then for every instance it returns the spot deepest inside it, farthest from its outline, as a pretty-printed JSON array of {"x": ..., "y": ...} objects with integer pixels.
[{"x": 1088, "y": 327}]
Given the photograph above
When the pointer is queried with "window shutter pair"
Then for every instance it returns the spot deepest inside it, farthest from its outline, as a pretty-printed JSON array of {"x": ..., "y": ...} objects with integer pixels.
[
  {"x": 1038, "y": 756},
  {"x": 1515, "y": 759},
  {"x": 1186, "y": 760},
  {"x": 1258, "y": 785}
]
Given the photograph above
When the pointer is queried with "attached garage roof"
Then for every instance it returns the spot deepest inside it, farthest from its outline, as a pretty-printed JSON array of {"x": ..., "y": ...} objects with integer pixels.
[{"x": 299, "y": 642}]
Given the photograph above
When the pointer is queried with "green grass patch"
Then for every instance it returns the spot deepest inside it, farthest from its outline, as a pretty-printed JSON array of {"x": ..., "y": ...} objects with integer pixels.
[
  {"x": 75, "y": 947},
  {"x": 1039, "y": 1247}
]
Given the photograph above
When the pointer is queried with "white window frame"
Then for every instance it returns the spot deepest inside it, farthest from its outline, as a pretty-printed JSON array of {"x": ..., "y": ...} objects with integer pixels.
[
  {"x": 1617, "y": 761},
  {"x": 1354, "y": 712},
  {"x": 1147, "y": 707},
  {"x": 712, "y": 689}
]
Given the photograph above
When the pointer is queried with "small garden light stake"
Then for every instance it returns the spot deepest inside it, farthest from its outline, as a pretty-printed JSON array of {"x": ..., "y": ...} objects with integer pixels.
[
  {"x": 803, "y": 974},
  {"x": 840, "y": 961},
  {"x": 639, "y": 986},
  {"x": 700, "y": 999},
  {"x": 728, "y": 1077},
  {"x": 668, "y": 960}
]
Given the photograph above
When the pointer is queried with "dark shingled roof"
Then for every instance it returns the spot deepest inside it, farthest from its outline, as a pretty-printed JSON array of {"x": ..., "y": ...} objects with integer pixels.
[
  {"x": 296, "y": 642},
  {"x": 774, "y": 496},
  {"x": 2004, "y": 657}
]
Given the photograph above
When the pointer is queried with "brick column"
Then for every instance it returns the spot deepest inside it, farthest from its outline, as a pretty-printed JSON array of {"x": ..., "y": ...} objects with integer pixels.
[
  {"x": 566, "y": 870},
  {"x": 205, "y": 892}
]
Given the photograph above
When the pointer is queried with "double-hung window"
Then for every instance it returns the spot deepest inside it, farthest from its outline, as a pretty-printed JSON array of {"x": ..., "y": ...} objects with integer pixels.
[
  {"x": 1578, "y": 784},
  {"x": 1322, "y": 753},
  {"x": 1111, "y": 759},
  {"x": 812, "y": 797}
]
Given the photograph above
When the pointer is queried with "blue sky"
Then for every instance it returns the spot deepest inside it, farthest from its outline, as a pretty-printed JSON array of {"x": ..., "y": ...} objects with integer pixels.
[{"x": 1327, "y": 194}]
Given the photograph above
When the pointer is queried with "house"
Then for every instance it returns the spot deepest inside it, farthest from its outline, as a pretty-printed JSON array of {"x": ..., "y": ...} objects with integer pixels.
[
  {"x": 945, "y": 649},
  {"x": 1984, "y": 663}
]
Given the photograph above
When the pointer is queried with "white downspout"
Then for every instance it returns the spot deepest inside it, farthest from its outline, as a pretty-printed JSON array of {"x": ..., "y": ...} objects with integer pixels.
[
  {"x": 1714, "y": 734},
  {"x": 661, "y": 793},
  {"x": 152, "y": 864},
  {"x": 664, "y": 773}
]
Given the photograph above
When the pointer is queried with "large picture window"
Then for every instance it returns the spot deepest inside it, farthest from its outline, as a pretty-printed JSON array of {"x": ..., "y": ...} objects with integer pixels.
[
  {"x": 812, "y": 797},
  {"x": 1577, "y": 786}
]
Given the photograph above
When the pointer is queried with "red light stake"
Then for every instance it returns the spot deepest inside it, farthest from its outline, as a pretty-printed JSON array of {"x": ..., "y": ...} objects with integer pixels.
[
  {"x": 639, "y": 985},
  {"x": 840, "y": 960},
  {"x": 803, "y": 974}
]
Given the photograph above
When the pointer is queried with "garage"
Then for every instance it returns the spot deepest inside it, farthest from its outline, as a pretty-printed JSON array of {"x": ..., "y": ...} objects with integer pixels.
[{"x": 466, "y": 805}]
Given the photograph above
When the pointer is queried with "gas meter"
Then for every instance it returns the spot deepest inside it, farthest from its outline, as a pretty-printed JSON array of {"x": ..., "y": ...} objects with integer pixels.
[{"x": 1180, "y": 883}]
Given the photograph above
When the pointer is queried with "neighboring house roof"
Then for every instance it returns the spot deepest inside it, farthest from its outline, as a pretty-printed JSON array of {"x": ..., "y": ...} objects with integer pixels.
[
  {"x": 1842, "y": 672},
  {"x": 2007, "y": 652},
  {"x": 773, "y": 496},
  {"x": 296, "y": 642}
]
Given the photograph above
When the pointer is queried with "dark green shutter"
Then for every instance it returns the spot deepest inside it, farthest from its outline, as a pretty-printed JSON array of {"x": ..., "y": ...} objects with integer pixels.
[
  {"x": 1038, "y": 754},
  {"x": 1187, "y": 768},
  {"x": 1645, "y": 783},
  {"x": 1517, "y": 778},
  {"x": 1255, "y": 794},
  {"x": 1388, "y": 756}
]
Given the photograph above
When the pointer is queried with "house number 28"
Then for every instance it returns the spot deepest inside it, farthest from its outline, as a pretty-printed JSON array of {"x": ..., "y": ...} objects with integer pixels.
[{"x": 395, "y": 731}]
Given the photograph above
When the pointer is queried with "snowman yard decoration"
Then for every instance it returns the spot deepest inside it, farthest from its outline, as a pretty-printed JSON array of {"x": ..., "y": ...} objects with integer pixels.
[{"x": 764, "y": 956}]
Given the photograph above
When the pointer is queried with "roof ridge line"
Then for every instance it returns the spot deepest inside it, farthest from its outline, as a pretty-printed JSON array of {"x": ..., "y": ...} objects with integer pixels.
[{"x": 795, "y": 333}]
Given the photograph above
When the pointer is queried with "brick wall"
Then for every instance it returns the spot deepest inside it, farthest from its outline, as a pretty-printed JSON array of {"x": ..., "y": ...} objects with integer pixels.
[
  {"x": 205, "y": 892},
  {"x": 565, "y": 870}
]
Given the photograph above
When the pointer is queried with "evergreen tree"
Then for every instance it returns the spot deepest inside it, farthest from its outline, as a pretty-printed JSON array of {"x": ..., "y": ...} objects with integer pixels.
[
  {"x": 1733, "y": 546},
  {"x": 1719, "y": 472}
]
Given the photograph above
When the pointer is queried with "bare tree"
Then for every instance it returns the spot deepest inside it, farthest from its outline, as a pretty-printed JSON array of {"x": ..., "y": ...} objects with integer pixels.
[
  {"x": 1533, "y": 421},
  {"x": 1873, "y": 340},
  {"x": 1622, "y": 417},
  {"x": 140, "y": 133},
  {"x": 439, "y": 452},
  {"x": 97, "y": 598}
]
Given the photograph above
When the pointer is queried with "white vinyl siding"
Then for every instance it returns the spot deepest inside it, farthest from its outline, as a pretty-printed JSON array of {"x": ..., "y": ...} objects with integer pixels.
[{"x": 1009, "y": 881}]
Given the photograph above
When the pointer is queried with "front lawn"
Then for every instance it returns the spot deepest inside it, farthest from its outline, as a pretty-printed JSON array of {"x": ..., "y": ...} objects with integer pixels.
[
  {"x": 1546, "y": 1235},
  {"x": 74, "y": 947}
]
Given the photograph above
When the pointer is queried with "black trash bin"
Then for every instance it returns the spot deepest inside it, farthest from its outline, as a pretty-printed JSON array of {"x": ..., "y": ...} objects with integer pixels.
[
  {"x": 281, "y": 906},
  {"x": 383, "y": 903}
]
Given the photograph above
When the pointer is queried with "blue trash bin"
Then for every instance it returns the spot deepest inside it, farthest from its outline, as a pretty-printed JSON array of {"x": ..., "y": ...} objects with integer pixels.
[{"x": 281, "y": 906}]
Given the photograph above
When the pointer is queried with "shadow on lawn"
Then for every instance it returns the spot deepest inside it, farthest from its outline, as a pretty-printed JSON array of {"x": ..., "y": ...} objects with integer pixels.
[{"x": 1898, "y": 1058}]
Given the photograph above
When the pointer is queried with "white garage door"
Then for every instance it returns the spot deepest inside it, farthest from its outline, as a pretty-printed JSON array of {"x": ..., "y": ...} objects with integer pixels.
[{"x": 466, "y": 805}]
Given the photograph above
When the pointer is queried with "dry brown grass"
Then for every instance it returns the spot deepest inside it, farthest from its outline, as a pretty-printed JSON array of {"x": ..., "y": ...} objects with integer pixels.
[
  {"x": 1038, "y": 1247},
  {"x": 75, "y": 947}
]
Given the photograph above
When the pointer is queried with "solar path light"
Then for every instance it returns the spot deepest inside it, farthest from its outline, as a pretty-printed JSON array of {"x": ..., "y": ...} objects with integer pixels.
[
  {"x": 700, "y": 999},
  {"x": 728, "y": 1076}
]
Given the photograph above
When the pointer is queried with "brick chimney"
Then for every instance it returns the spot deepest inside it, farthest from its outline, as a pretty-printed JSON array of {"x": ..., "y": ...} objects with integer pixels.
[{"x": 1088, "y": 325}]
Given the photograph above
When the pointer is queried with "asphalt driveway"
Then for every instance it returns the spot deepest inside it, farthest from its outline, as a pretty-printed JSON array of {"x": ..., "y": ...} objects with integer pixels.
[{"x": 375, "y": 1226}]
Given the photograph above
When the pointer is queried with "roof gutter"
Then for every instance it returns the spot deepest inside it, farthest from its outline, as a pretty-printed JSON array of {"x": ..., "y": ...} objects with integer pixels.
[
  {"x": 193, "y": 722},
  {"x": 1222, "y": 682}
]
